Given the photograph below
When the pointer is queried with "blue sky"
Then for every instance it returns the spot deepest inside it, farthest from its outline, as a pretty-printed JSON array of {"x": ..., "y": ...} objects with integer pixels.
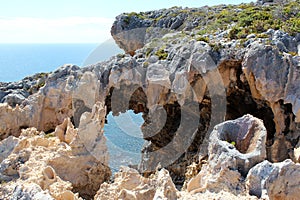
[{"x": 74, "y": 21}]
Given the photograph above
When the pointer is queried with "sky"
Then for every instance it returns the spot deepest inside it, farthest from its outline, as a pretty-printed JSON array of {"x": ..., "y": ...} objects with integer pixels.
[{"x": 75, "y": 21}]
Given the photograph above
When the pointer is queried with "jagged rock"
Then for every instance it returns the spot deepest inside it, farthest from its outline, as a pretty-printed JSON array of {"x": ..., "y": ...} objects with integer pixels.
[
  {"x": 27, "y": 164},
  {"x": 182, "y": 86},
  {"x": 12, "y": 120},
  {"x": 274, "y": 180},
  {"x": 223, "y": 195},
  {"x": 85, "y": 95},
  {"x": 130, "y": 31},
  {"x": 129, "y": 184},
  {"x": 272, "y": 77},
  {"x": 14, "y": 99},
  {"x": 89, "y": 152},
  {"x": 284, "y": 41},
  {"x": 46, "y": 161},
  {"x": 43, "y": 110},
  {"x": 66, "y": 132},
  {"x": 32, "y": 191},
  {"x": 234, "y": 148},
  {"x": 261, "y": 66},
  {"x": 7, "y": 146},
  {"x": 15, "y": 92}
]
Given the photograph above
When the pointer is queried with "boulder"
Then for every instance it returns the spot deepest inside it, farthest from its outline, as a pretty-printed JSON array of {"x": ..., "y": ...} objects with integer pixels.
[
  {"x": 274, "y": 181},
  {"x": 13, "y": 99},
  {"x": 129, "y": 184},
  {"x": 234, "y": 148},
  {"x": 32, "y": 191},
  {"x": 7, "y": 146}
]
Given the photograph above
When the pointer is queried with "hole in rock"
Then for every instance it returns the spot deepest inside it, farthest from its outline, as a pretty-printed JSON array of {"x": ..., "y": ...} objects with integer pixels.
[
  {"x": 49, "y": 173},
  {"x": 244, "y": 139},
  {"x": 24, "y": 127},
  {"x": 240, "y": 102},
  {"x": 49, "y": 131},
  {"x": 124, "y": 139}
]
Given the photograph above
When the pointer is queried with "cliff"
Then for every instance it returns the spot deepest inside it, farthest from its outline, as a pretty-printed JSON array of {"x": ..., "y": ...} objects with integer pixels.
[{"x": 218, "y": 89}]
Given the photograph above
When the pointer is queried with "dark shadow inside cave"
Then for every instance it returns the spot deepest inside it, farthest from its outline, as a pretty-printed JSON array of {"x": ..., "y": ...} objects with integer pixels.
[{"x": 239, "y": 103}]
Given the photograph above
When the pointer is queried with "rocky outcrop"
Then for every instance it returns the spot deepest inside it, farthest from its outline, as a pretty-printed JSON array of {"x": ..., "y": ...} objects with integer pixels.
[
  {"x": 16, "y": 92},
  {"x": 272, "y": 76},
  {"x": 45, "y": 161},
  {"x": 129, "y": 184},
  {"x": 194, "y": 83},
  {"x": 234, "y": 148},
  {"x": 274, "y": 180},
  {"x": 45, "y": 109},
  {"x": 184, "y": 82}
]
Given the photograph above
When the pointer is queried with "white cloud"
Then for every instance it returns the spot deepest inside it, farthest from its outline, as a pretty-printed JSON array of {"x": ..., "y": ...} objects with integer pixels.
[{"x": 57, "y": 30}]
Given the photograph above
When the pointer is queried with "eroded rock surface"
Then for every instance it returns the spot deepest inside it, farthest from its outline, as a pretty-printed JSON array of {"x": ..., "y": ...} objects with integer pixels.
[
  {"x": 274, "y": 180},
  {"x": 129, "y": 184},
  {"x": 234, "y": 148},
  {"x": 184, "y": 83},
  {"x": 61, "y": 165}
]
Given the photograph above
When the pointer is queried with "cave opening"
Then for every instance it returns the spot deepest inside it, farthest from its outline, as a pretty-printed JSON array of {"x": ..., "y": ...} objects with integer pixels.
[
  {"x": 133, "y": 100},
  {"x": 240, "y": 102},
  {"x": 124, "y": 139},
  {"x": 125, "y": 114}
]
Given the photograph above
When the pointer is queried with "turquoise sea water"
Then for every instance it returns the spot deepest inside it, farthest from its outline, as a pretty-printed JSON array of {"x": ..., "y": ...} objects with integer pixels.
[
  {"x": 124, "y": 139},
  {"x": 20, "y": 60}
]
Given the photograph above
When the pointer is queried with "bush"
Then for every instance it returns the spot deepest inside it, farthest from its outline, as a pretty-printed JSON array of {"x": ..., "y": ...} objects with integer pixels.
[
  {"x": 204, "y": 39},
  {"x": 162, "y": 54}
]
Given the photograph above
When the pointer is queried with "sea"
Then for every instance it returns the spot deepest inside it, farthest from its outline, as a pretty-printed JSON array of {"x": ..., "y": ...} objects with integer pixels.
[{"x": 17, "y": 61}]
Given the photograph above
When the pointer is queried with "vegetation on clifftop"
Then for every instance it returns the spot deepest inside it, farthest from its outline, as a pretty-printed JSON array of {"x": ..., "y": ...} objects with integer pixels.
[{"x": 242, "y": 19}]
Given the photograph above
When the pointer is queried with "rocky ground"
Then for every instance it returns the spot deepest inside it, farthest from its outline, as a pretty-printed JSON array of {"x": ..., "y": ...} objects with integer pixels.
[{"x": 219, "y": 97}]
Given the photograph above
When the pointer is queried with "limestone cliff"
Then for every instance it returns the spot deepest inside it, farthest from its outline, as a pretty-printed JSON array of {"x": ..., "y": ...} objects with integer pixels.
[{"x": 188, "y": 71}]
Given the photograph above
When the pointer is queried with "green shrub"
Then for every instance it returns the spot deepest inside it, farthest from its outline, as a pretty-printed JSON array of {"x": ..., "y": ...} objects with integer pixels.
[
  {"x": 216, "y": 46},
  {"x": 293, "y": 53},
  {"x": 204, "y": 39},
  {"x": 133, "y": 14},
  {"x": 233, "y": 32},
  {"x": 162, "y": 54},
  {"x": 262, "y": 35},
  {"x": 293, "y": 26},
  {"x": 49, "y": 135},
  {"x": 145, "y": 64}
]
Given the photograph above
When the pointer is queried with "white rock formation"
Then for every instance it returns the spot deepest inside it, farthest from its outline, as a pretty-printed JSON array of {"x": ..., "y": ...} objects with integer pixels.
[
  {"x": 274, "y": 181},
  {"x": 129, "y": 184},
  {"x": 56, "y": 165},
  {"x": 234, "y": 148}
]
